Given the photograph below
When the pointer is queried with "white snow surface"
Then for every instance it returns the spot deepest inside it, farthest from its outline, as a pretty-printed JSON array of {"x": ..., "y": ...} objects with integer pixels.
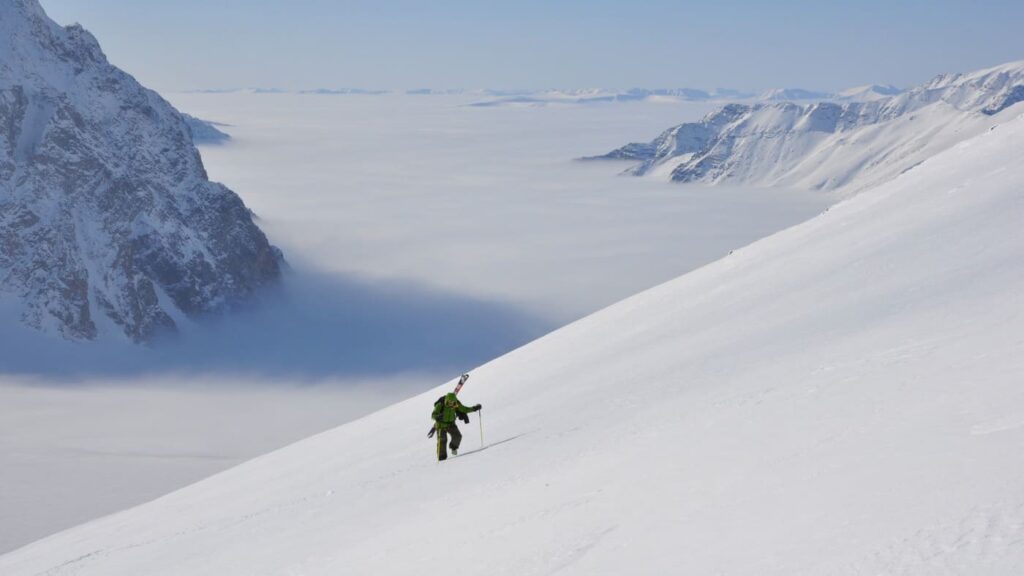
[
  {"x": 73, "y": 453},
  {"x": 841, "y": 398},
  {"x": 850, "y": 145}
]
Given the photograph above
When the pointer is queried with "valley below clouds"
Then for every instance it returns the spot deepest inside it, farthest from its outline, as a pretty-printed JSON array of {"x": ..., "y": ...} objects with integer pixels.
[{"x": 423, "y": 237}]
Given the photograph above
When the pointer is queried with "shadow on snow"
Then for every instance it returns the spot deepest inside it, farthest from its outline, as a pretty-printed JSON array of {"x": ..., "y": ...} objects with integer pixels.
[
  {"x": 486, "y": 446},
  {"x": 312, "y": 326}
]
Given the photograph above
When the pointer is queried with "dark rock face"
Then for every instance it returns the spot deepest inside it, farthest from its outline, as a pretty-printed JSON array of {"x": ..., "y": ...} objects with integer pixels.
[{"x": 107, "y": 219}]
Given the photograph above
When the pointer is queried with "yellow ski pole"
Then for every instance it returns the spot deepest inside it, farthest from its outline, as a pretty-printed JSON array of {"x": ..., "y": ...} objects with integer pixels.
[{"x": 480, "y": 419}]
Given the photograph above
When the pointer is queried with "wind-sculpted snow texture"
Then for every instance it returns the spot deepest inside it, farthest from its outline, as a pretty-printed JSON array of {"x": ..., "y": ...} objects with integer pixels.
[
  {"x": 831, "y": 145},
  {"x": 840, "y": 398},
  {"x": 107, "y": 219}
]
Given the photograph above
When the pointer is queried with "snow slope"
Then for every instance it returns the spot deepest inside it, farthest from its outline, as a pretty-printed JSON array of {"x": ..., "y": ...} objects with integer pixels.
[
  {"x": 840, "y": 398},
  {"x": 851, "y": 145}
]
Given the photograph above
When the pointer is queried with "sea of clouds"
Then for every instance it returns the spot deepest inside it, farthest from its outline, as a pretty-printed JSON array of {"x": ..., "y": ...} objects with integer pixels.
[{"x": 423, "y": 237}]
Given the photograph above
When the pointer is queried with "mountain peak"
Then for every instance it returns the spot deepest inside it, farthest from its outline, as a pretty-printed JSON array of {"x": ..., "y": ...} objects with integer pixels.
[
  {"x": 85, "y": 44},
  {"x": 823, "y": 145},
  {"x": 106, "y": 214},
  {"x": 35, "y": 50}
]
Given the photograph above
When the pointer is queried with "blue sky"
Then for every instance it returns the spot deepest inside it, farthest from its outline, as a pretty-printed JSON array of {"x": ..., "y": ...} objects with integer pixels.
[{"x": 745, "y": 44}]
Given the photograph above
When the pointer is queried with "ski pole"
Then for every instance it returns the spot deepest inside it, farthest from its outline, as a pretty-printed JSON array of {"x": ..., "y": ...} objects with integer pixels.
[{"x": 480, "y": 419}]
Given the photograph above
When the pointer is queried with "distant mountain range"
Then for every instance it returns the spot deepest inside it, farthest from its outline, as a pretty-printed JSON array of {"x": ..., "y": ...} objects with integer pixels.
[
  {"x": 548, "y": 97},
  {"x": 108, "y": 222},
  {"x": 864, "y": 137},
  {"x": 499, "y": 97}
]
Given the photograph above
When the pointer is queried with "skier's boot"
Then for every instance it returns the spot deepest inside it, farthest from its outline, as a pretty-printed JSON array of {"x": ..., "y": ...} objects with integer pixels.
[{"x": 455, "y": 451}]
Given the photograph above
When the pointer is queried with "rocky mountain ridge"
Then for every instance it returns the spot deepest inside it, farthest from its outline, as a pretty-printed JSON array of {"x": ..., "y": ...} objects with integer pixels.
[
  {"x": 829, "y": 145},
  {"x": 108, "y": 222}
]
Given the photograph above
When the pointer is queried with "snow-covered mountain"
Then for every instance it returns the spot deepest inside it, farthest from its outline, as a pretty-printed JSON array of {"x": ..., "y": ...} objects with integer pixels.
[
  {"x": 840, "y": 398},
  {"x": 108, "y": 222},
  {"x": 790, "y": 94},
  {"x": 204, "y": 131},
  {"x": 830, "y": 145},
  {"x": 869, "y": 92}
]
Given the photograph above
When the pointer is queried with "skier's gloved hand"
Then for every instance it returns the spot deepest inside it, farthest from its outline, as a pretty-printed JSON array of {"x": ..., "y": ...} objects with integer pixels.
[{"x": 477, "y": 407}]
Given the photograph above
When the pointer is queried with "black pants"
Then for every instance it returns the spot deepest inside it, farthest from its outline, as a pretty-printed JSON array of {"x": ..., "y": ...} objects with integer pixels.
[{"x": 442, "y": 440}]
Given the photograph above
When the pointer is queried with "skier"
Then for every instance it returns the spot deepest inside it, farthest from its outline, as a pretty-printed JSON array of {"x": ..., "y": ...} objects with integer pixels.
[{"x": 446, "y": 410}]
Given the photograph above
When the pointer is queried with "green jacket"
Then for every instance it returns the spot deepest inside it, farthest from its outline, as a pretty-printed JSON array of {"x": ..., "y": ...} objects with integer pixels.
[{"x": 447, "y": 410}]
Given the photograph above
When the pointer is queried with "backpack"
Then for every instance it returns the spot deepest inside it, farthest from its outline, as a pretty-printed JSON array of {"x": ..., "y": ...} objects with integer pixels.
[{"x": 439, "y": 411}]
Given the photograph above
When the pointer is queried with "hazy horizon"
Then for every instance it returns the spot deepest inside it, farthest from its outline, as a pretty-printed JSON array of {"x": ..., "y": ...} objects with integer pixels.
[{"x": 400, "y": 45}]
